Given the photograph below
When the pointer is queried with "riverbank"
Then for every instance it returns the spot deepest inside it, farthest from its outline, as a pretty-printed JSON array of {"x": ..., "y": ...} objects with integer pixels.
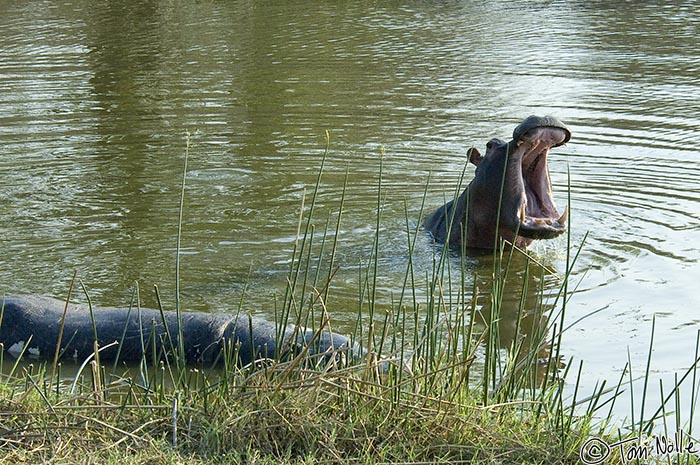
[
  {"x": 279, "y": 414},
  {"x": 443, "y": 380},
  {"x": 437, "y": 385}
]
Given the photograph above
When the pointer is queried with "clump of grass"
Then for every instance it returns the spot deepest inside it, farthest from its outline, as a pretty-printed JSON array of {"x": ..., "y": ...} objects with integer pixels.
[{"x": 434, "y": 384}]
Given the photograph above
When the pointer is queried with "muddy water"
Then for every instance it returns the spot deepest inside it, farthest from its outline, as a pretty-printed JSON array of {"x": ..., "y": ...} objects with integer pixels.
[{"x": 97, "y": 99}]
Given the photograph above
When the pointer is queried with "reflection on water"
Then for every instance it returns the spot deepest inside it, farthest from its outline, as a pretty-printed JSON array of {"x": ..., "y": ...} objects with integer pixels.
[{"x": 96, "y": 99}]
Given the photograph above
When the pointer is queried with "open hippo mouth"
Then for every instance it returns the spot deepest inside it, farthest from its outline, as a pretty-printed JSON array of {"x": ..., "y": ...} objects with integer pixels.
[
  {"x": 537, "y": 213},
  {"x": 510, "y": 197}
]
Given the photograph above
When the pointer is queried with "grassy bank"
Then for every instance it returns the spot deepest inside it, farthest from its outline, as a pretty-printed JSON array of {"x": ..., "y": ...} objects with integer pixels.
[
  {"x": 271, "y": 416},
  {"x": 437, "y": 383}
]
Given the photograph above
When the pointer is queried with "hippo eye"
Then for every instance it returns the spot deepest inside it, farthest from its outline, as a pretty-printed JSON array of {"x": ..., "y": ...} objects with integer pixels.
[{"x": 494, "y": 144}]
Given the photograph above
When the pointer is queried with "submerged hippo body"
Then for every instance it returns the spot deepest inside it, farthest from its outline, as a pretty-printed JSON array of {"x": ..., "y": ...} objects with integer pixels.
[
  {"x": 510, "y": 196},
  {"x": 30, "y": 325}
]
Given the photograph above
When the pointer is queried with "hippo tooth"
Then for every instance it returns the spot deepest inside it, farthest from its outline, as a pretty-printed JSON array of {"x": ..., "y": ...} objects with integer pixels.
[
  {"x": 16, "y": 349},
  {"x": 522, "y": 213},
  {"x": 564, "y": 216}
]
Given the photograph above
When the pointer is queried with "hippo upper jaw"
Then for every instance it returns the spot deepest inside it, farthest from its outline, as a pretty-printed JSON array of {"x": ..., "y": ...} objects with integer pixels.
[{"x": 536, "y": 215}]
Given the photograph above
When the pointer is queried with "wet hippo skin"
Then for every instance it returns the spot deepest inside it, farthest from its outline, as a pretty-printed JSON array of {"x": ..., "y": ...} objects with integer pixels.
[
  {"x": 30, "y": 327},
  {"x": 510, "y": 196}
]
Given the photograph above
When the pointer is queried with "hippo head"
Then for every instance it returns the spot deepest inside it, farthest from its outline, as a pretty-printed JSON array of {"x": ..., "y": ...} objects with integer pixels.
[
  {"x": 510, "y": 196},
  {"x": 511, "y": 191}
]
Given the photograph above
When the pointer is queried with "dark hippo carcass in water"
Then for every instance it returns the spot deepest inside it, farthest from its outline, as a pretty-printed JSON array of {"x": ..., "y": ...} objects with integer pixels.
[
  {"x": 30, "y": 325},
  {"x": 510, "y": 196}
]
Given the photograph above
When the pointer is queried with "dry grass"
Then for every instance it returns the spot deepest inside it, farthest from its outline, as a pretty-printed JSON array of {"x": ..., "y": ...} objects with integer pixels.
[{"x": 346, "y": 415}]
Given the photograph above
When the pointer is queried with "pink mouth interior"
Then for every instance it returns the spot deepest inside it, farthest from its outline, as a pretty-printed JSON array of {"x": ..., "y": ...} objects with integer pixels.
[{"x": 540, "y": 208}]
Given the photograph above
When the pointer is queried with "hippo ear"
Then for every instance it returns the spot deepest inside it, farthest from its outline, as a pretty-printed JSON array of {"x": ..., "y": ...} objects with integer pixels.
[{"x": 474, "y": 156}]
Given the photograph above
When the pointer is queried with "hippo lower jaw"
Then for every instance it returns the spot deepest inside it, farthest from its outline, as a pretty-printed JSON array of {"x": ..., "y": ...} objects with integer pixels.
[{"x": 542, "y": 227}]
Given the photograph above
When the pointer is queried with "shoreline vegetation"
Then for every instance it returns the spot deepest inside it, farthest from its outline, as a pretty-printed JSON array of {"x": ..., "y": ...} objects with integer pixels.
[{"x": 437, "y": 383}]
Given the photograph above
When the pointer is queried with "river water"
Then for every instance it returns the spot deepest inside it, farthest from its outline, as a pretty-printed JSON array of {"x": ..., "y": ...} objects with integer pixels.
[{"x": 98, "y": 101}]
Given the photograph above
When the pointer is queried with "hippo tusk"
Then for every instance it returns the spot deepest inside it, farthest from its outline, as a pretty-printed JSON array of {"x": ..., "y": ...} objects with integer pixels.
[{"x": 564, "y": 216}]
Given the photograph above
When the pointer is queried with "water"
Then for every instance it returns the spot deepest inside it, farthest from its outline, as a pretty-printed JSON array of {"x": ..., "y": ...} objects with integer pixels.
[{"x": 97, "y": 99}]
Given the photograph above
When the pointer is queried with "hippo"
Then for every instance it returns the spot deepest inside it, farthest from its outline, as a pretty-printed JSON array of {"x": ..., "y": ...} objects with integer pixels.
[
  {"x": 29, "y": 326},
  {"x": 510, "y": 197}
]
